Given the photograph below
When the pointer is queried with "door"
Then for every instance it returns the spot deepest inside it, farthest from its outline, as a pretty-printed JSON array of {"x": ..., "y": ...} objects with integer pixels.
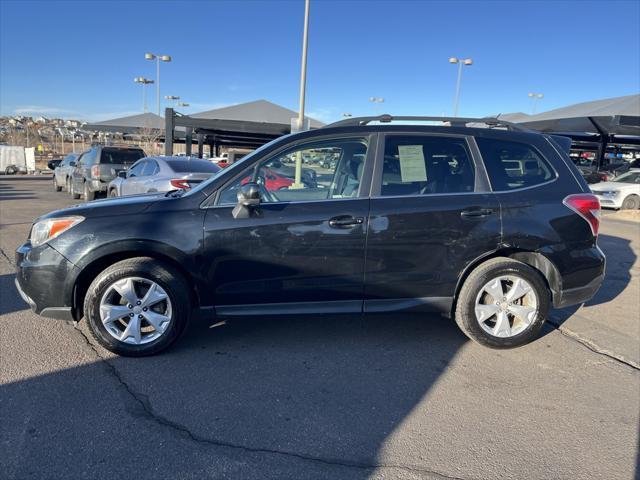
[
  {"x": 148, "y": 176},
  {"x": 82, "y": 170},
  {"x": 302, "y": 249},
  {"x": 431, "y": 215},
  {"x": 131, "y": 185}
]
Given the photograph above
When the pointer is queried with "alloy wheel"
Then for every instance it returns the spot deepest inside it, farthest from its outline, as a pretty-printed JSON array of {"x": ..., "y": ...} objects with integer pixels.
[
  {"x": 506, "y": 306},
  {"x": 135, "y": 310}
]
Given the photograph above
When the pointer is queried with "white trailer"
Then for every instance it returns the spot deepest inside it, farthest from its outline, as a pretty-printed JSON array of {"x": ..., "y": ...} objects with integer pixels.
[{"x": 12, "y": 160}]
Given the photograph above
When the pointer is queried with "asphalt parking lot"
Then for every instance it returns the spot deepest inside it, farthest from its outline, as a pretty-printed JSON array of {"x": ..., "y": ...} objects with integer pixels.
[{"x": 354, "y": 397}]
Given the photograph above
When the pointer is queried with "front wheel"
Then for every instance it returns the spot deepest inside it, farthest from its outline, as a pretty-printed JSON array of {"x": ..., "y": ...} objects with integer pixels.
[
  {"x": 113, "y": 193},
  {"x": 137, "y": 307},
  {"x": 56, "y": 187},
  {"x": 502, "y": 304},
  {"x": 632, "y": 202}
]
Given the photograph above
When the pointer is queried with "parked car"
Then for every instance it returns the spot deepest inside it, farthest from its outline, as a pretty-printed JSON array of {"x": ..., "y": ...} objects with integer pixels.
[
  {"x": 98, "y": 166},
  {"x": 161, "y": 174},
  {"x": 621, "y": 192},
  {"x": 52, "y": 164},
  {"x": 62, "y": 173},
  {"x": 271, "y": 180},
  {"x": 413, "y": 217}
]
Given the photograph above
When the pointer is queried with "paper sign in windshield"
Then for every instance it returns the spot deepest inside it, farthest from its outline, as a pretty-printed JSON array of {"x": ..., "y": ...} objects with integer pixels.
[{"x": 412, "y": 166}]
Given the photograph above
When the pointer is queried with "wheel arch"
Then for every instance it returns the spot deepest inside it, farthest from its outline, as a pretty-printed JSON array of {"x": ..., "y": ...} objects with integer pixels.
[
  {"x": 95, "y": 263},
  {"x": 535, "y": 260}
]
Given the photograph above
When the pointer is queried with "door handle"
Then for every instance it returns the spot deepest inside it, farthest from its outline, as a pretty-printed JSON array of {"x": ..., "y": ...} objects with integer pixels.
[
  {"x": 345, "y": 221},
  {"x": 476, "y": 212}
]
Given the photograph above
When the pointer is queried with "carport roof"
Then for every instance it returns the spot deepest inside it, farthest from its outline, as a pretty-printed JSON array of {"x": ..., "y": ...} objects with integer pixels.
[
  {"x": 609, "y": 116},
  {"x": 259, "y": 111},
  {"x": 131, "y": 124}
]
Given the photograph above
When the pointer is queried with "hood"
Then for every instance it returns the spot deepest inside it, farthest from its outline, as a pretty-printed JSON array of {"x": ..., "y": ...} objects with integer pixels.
[
  {"x": 110, "y": 206},
  {"x": 607, "y": 186}
]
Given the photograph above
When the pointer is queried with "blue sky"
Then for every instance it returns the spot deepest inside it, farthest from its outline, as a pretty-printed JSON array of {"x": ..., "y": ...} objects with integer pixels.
[{"x": 78, "y": 59}]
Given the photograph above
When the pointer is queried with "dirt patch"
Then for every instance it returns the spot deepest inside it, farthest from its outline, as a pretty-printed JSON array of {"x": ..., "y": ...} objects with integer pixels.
[{"x": 633, "y": 215}]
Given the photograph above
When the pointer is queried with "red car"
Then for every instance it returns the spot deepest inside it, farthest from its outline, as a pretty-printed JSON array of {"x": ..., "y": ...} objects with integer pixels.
[{"x": 273, "y": 181}]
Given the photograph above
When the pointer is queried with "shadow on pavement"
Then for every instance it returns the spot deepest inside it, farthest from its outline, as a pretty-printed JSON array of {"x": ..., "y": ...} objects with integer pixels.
[
  {"x": 327, "y": 388},
  {"x": 10, "y": 301}
]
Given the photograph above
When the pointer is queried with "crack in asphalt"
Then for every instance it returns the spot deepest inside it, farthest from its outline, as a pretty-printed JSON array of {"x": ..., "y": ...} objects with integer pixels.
[
  {"x": 592, "y": 346},
  {"x": 145, "y": 404},
  {"x": 6, "y": 257}
]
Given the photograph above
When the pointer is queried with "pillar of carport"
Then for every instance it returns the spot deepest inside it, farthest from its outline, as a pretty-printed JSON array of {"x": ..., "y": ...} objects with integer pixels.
[
  {"x": 200, "y": 144},
  {"x": 188, "y": 139}
]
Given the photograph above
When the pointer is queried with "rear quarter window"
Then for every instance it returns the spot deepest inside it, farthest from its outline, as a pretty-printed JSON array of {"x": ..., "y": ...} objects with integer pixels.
[{"x": 513, "y": 165}]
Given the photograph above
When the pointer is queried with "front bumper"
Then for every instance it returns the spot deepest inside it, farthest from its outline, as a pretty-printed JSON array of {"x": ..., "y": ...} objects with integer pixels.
[{"x": 44, "y": 279}]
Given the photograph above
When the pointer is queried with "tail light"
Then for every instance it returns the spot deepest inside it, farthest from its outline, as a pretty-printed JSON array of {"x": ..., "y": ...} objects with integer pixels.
[
  {"x": 588, "y": 207},
  {"x": 180, "y": 183},
  {"x": 604, "y": 177},
  {"x": 95, "y": 171}
]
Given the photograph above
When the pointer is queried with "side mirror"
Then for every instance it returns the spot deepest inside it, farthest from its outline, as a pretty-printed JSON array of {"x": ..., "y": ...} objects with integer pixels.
[
  {"x": 122, "y": 174},
  {"x": 248, "y": 199}
]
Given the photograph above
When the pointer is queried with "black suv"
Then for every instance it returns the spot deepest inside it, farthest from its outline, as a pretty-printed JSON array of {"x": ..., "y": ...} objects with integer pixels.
[
  {"x": 98, "y": 166},
  {"x": 475, "y": 218}
]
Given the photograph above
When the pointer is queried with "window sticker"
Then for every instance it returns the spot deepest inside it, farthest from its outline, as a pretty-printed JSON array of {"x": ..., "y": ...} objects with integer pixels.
[{"x": 412, "y": 165}]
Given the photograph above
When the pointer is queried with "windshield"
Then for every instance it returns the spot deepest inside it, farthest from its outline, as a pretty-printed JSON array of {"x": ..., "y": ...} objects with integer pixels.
[
  {"x": 629, "y": 177},
  {"x": 233, "y": 166}
]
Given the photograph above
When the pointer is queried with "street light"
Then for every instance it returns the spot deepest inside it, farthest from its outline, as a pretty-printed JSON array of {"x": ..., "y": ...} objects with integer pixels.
[
  {"x": 376, "y": 99},
  {"x": 303, "y": 85},
  {"x": 460, "y": 62},
  {"x": 534, "y": 98},
  {"x": 144, "y": 82},
  {"x": 158, "y": 59},
  {"x": 182, "y": 104},
  {"x": 347, "y": 115}
]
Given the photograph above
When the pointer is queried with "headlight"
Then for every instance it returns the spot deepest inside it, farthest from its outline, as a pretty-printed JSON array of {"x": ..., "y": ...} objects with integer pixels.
[{"x": 46, "y": 230}]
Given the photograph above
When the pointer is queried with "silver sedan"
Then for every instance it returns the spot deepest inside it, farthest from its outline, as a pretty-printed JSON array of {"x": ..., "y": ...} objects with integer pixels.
[{"x": 161, "y": 174}]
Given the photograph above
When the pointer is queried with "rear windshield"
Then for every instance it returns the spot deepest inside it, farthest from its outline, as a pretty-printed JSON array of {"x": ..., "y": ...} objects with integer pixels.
[
  {"x": 121, "y": 155},
  {"x": 195, "y": 166}
]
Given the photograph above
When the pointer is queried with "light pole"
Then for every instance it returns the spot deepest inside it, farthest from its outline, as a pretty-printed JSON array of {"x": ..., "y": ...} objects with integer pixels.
[
  {"x": 303, "y": 84},
  {"x": 182, "y": 104},
  {"x": 158, "y": 59},
  {"x": 172, "y": 98},
  {"x": 375, "y": 101},
  {"x": 144, "y": 82},
  {"x": 347, "y": 115},
  {"x": 460, "y": 62},
  {"x": 534, "y": 99}
]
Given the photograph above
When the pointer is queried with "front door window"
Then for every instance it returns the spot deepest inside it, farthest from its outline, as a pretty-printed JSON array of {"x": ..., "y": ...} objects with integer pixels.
[{"x": 327, "y": 170}]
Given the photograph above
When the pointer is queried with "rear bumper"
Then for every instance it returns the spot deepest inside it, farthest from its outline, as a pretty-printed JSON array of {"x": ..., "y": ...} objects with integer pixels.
[
  {"x": 575, "y": 296},
  {"x": 584, "y": 283},
  {"x": 44, "y": 281}
]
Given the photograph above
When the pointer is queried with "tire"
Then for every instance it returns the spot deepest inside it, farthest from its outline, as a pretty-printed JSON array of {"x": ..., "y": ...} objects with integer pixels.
[
  {"x": 113, "y": 193},
  {"x": 56, "y": 187},
  {"x": 67, "y": 186},
  {"x": 473, "y": 294},
  {"x": 632, "y": 202},
  {"x": 10, "y": 170},
  {"x": 72, "y": 191},
  {"x": 87, "y": 193},
  {"x": 141, "y": 268}
]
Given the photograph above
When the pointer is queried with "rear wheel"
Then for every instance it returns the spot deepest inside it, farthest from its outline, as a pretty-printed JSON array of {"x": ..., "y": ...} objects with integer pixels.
[
  {"x": 56, "y": 187},
  {"x": 502, "y": 304},
  {"x": 87, "y": 193},
  {"x": 137, "y": 307},
  {"x": 72, "y": 191},
  {"x": 632, "y": 202}
]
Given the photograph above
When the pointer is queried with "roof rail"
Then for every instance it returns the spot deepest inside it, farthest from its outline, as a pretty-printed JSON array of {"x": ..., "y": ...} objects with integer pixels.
[{"x": 454, "y": 121}]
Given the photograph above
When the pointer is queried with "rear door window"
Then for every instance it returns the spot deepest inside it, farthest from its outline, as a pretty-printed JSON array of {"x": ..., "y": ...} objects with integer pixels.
[
  {"x": 125, "y": 156},
  {"x": 513, "y": 165},
  {"x": 425, "y": 164},
  {"x": 151, "y": 168},
  {"x": 136, "y": 170}
]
